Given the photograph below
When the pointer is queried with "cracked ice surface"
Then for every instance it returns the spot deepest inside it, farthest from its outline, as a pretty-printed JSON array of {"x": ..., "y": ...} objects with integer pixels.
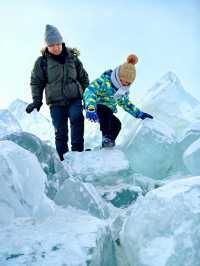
[{"x": 70, "y": 237}]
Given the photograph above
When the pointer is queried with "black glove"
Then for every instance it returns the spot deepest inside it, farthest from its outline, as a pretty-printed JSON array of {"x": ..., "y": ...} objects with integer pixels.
[
  {"x": 32, "y": 106},
  {"x": 143, "y": 115}
]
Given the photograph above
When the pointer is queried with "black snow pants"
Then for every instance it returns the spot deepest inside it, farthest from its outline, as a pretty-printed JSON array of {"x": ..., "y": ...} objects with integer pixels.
[{"x": 110, "y": 125}]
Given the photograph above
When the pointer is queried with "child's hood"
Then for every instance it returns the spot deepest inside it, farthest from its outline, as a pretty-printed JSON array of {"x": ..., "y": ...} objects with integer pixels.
[{"x": 107, "y": 74}]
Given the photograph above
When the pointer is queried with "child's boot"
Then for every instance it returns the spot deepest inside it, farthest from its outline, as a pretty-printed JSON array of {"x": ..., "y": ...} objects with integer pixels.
[{"x": 107, "y": 142}]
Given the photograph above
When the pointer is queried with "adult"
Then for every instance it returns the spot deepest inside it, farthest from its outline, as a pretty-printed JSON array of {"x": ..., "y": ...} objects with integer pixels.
[{"x": 60, "y": 73}]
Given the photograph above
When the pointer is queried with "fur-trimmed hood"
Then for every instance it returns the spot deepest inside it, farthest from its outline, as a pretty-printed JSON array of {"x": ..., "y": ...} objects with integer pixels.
[{"x": 73, "y": 51}]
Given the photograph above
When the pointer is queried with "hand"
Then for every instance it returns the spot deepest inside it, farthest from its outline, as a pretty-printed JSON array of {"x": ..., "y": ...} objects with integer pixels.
[
  {"x": 92, "y": 115},
  {"x": 32, "y": 106},
  {"x": 143, "y": 115}
]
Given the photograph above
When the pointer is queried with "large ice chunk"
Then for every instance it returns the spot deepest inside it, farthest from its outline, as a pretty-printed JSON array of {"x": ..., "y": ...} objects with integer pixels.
[
  {"x": 151, "y": 149},
  {"x": 163, "y": 228},
  {"x": 104, "y": 166},
  {"x": 70, "y": 237},
  {"x": 47, "y": 156},
  {"x": 191, "y": 158},
  {"x": 189, "y": 135},
  {"x": 8, "y": 123},
  {"x": 34, "y": 123},
  {"x": 82, "y": 196},
  {"x": 169, "y": 102},
  {"x": 21, "y": 184}
]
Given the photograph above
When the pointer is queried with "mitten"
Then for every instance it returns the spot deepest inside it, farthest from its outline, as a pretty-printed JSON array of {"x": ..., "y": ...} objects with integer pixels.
[
  {"x": 143, "y": 115},
  {"x": 32, "y": 106},
  {"x": 91, "y": 115}
]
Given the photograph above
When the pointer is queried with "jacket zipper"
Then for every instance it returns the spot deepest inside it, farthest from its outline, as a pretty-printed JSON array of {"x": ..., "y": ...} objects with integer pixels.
[{"x": 63, "y": 81}]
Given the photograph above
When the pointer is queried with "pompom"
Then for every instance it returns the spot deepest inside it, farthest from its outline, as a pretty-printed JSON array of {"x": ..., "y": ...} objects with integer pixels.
[{"x": 132, "y": 59}]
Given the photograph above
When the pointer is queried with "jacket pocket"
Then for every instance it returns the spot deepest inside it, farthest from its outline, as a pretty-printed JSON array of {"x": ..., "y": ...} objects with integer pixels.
[
  {"x": 54, "y": 72},
  {"x": 72, "y": 90},
  {"x": 71, "y": 72},
  {"x": 53, "y": 92}
]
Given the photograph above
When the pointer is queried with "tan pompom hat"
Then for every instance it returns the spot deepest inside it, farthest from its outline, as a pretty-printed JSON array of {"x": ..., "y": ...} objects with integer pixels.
[{"x": 127, "y": 70}]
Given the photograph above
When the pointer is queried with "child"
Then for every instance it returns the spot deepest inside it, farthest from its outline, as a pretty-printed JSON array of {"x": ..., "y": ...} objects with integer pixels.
[{"x": 102, "y": 96}]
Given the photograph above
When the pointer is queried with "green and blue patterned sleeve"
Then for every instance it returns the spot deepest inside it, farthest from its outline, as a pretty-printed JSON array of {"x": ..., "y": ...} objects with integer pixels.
[
  {"x": 90, "y": 94},
  {"x": 128, "y": 106}
]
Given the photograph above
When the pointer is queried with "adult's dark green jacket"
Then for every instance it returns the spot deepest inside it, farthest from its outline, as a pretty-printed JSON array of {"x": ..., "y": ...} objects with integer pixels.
[{"x": 62, "y": 80}]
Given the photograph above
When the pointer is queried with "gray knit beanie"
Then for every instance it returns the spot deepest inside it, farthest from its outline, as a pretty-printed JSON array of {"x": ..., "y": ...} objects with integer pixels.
[{"x": 52, "y": 35}]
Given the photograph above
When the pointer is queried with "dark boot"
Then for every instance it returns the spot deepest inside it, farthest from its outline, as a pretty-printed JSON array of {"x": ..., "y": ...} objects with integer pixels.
[
  {"x": 77, "y": 147},
  {"x": 107, "y": 142}
]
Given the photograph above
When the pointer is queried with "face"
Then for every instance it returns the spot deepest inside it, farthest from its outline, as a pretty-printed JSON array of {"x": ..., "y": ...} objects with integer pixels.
[
  {"x": 124, "y": 82},
  {"x": 55, "y": 49}
]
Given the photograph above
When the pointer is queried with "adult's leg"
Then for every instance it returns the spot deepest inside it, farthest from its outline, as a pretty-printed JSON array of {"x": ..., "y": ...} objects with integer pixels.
[
  {"x": 75, "y": 112},
  {"x": 60, "y": 119}
]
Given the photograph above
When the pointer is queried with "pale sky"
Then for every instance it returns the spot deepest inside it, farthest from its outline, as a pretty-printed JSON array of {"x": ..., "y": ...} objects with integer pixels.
[{"x": 165, "y": 35}]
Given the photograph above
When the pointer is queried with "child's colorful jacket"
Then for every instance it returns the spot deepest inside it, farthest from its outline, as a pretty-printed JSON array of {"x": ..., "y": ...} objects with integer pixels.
[{"x": 101, "y": 91}]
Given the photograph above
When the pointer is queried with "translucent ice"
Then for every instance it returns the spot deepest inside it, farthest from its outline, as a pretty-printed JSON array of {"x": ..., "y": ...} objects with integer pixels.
[
  {"x": 189, "y": 135},
  {"x": 8, "y": 123},
  {"x": 82, "y": 196},
  {"x": 70, "y": 237},
  {"x": 92, "y": 134},
  {"x": 47, "y": 156},
  {"x": 121, "y": 195},
  {"x": 169, "y": 102},
  {"x": 191, "y": 158},
  {"x": 151, "y": 149},
  {"x": 103, "y": 166},
  {"x": 34, "y": 123},
  {"x": 163, "y": 228},
  {"x": 22, "y": 184}
]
